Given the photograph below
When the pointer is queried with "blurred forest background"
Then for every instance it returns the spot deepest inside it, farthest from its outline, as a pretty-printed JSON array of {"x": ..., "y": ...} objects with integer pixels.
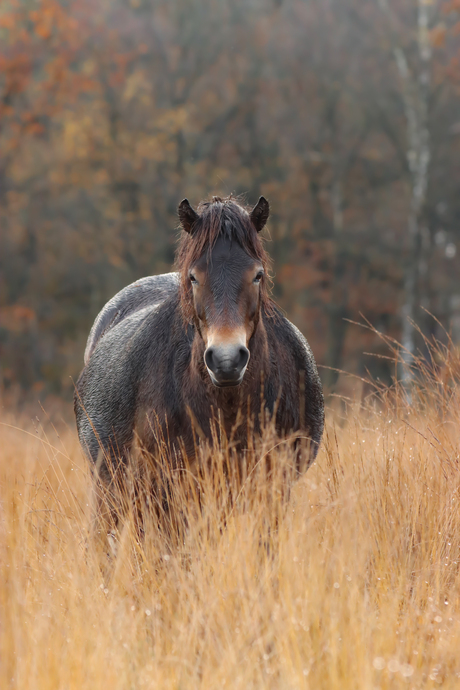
[{"x": 345, "y": 114}]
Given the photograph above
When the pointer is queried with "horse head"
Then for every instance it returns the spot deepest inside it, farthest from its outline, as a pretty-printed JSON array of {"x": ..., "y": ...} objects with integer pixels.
[{"x": 224, "y": 276}]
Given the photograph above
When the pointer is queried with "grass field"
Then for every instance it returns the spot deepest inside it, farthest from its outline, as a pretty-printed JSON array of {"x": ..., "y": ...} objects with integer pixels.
[{"x": 354, "y": 585}]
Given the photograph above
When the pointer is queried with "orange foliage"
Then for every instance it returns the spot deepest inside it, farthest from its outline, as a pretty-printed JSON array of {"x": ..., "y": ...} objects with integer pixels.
[{"x": 111, "y": 112}]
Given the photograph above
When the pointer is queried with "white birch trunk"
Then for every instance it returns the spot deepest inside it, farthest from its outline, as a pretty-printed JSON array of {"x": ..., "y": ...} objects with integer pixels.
[{"x": 415, "y": 92}]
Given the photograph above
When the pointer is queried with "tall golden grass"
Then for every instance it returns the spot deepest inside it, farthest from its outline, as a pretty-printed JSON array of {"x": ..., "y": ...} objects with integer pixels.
[{"x": 354, "y": 583}]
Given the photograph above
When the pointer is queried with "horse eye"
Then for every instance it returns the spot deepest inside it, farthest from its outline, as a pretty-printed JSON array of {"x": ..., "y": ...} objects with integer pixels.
[
  {"x": 193, "y": 280},
  {"x": 259, "y": 277}
]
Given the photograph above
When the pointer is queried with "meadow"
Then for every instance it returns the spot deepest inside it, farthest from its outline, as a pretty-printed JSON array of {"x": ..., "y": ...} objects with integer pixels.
[{"x": 353, "y": 583}]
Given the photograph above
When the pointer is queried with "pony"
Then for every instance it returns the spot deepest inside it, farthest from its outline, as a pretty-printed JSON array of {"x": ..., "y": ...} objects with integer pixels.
[{"x": 171, "y": 354}]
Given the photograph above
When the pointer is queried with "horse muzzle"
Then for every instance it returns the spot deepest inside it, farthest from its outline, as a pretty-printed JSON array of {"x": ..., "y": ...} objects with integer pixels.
[{"x": 226, "y": 364}]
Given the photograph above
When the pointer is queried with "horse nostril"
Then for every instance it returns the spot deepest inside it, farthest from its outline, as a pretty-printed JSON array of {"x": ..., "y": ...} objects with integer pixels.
[
  {"x": 244, "y": 357},
  {"x": 208, "y": 359}
]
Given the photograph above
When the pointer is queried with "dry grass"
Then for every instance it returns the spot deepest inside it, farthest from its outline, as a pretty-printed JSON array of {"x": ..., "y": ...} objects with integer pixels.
[{"x": 355, "y": 585}]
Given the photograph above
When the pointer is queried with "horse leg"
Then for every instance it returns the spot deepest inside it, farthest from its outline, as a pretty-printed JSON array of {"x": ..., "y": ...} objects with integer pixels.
[{"x": 107, "y": 505}]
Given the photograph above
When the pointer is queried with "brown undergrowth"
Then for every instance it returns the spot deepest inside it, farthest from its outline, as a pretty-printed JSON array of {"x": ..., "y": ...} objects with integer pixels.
[{"x": 353, "y": 583}]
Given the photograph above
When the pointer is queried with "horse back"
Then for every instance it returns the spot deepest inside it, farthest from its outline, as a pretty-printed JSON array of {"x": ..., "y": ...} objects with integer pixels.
[{"x": 145, "y": 292}]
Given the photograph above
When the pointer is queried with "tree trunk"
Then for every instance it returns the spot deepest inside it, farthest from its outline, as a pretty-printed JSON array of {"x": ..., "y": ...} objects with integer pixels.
[
  {"x": 338, "y": 310},
  {"x": 415, "y": 92}
]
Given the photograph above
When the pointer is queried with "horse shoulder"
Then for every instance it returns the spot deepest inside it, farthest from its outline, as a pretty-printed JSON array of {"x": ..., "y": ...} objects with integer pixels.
[
  {"x": 165, "y": 377},
  {"x": 295, "y": 352},
  {"x": 293, "y": 343},
  {"x": 145, "y": 292}
]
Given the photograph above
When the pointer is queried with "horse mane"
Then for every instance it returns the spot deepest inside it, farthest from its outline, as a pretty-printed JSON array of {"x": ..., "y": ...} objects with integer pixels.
[{"x": 220, "y": 217}]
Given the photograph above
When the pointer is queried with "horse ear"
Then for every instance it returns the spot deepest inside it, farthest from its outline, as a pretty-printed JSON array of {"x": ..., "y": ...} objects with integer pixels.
[
  {"x": 259, "y": 214},
  {"x": 187, "y": 215}
]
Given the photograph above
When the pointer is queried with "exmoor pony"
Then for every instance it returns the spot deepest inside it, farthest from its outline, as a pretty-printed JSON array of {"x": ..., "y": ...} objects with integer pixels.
[{"x": 172, "y": 355}]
